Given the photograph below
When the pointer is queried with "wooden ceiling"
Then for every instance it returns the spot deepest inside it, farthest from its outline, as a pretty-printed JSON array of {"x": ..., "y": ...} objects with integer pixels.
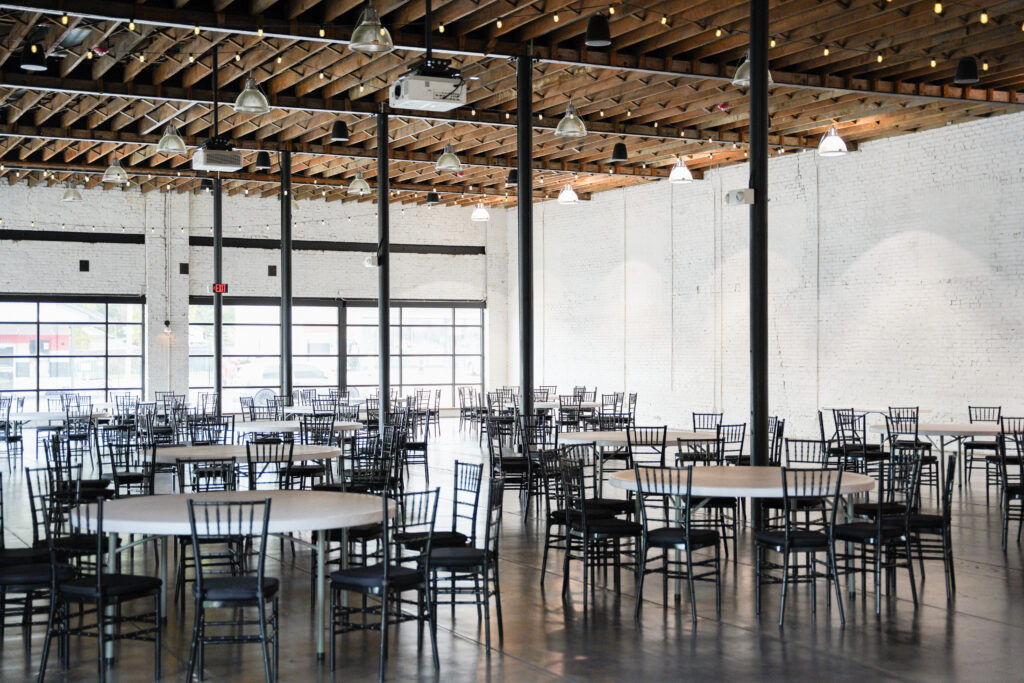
[{"x": 119, "y": 72}]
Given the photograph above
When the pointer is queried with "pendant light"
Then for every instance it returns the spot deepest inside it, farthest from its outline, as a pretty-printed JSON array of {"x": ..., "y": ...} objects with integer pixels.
[
  {"x": 571, "y": 125},
  {"x": 433, "y": 198},
  {"x": 115, "y": 173},
  {"x": 33, "y": 58},
  {"x": 448, "y": 161},
  {"x": 358, "y": 186},
  {"x": 619, "y": 154},
  {"x": 71, "y": 194},
  {"x": 262, "y": 161},
  {"x": 206, "y": 185},
  {"x": 339, "y": 132},
  {"x": 741, "y": 79},
  {"x": 171, "y": 142},
  {"x": 480, "y": 213},
  {"x": 598, "y": 33},
  {"x": 369, "y": 37},
  {"x": 568, "y": 195},
  {"x": 513, "y": 178},
  {"x": 831, "y": 144},
  {"x": 966, "y": 71},
  {"x": 251, "y": 100},
  {"x": 680, "y": 174}
]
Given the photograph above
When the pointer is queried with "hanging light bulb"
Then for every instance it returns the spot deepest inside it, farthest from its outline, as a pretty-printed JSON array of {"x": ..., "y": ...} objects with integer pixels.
[
  {"x": 115, "y": 173},
  {"x": 71, "y": 194},
  {"x": 359, "y": 186},
  {"x": 568, "y": 195},
  {"x": 741, "y": 79},
  {"x": 171, "y": 142},
  {"x": 252, "y": 100},
  {"x": 480, "y": 213},
  {"x": 680, "y": 174},
  {"x": 831, "y": 144},
  {"x": 369, "y": 36},
  {"x": 448, "y": 161},
  {"x": 571, "y": 125}
]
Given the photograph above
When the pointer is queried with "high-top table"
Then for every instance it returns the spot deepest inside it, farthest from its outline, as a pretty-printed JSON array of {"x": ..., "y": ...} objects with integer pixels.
[
  {"x": 290, "y": 512},
  {"x": 953, "y": 432}
]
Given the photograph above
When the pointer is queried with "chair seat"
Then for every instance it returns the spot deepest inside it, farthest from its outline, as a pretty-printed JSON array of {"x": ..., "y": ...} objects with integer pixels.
[
  {"x": 10, "y": 557},
  {"x": 440, "y": 539},
  {"x": 131, "y": 477},
  {"x": 612, "y": 527},
  {"x": 457, "y": 558},
  {"x": 365, "y": 532},
  {"x": 114, "y": 586},
  {"x": 798, "y": 539},
  {"x": 675, "y": 537},
  {"x": 514, "y": 464},
  {"x": 799, "y": 504},
  {"x": 867, "y": 532},
  {"x": 78, "y": 544},
  {"x": 1014, "y": 491},
  {"x": 237, "y": 588},
  {"x": 336, "y": 488},
  {"x": 305, "y": 471},
  {"x": 918, "y": 522},
  {"x": 616, "y": 506},
  {"x": 372, "y": 577},
  {"x": 716, "y": 502},
  {"x": 871, "y": 509},
  {"x": 36, "y": 574},
  {"x": 94, "y": 483},
  {"x": 911, "y": 443},
  {"x": 980, "y": 446},
  {"x": 561, "y": 517}
]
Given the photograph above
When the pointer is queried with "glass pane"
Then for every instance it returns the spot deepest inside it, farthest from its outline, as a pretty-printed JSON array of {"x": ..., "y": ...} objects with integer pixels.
[
  {"x": 17, "y": 311},
  {"x": 361, "y": 315},
  {"x": 396, "y": 340},
  {"x": 124, "y": 373},
  {"x": 71, "y": 340},
  {"x": 362, "y": 370},
  {"x": 468, "y": 316},
  {"x": 356, "y": 394},
  {"x": 71, "y": 373},
  {"x": 72, "y": 313},
  {"x": 200, "y": 339},
  {"x": 468, "y": 369},
  {"x": 252, "y": 314},
  {"x": 17, "y": 373},
  {"x": 469, "y": 340},
  {"x": 426, "y": 316},
  {"x": 200, "y": 372},
  {"x": 231, "y": 397},
  {"x": 315, "y": 314},
  {"x": 124, "y": 340},
  {"x": 246, "y": 340},
  {"x": 314, "y": 340},
  {"x": 426, "y": 339},
  {"x": 361, "y": 340},
  {"x": 426, "y": 370},
  {"x": 315, "y": 372},
  {"x": 200, "y": 314},
  {"x": 29, "y": 396},
  {"x": 252, "y": 372},
  {"x": 124, "y": 313},
  {"x": 18, "y": 340}
]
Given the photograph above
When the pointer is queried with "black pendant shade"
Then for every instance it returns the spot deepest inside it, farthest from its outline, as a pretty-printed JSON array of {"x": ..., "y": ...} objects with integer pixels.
[
  {"x": 598, "y": 33},
  {"x": 206, "y": 185},
  {"x": 33, "y": 58},
  {"x": 262, "y": 161},
  {"x": 433, "y": 198},
  {"x": 619, "y": 153},
  {"x": 966, "y": 71},
  {"x": 513, "y": 178},
  {"x": 339, "y": 132}
]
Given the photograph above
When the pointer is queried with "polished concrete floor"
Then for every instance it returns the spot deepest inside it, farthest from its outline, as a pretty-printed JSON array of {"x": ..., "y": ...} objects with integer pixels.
[{"x": 977, "y": 636}]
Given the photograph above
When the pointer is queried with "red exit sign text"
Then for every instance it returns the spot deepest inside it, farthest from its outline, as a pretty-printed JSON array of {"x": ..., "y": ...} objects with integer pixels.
[{"x": 220, "y": 288}]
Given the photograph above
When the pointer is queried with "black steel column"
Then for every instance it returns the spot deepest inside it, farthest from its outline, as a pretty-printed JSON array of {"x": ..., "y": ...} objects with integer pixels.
[
  {"x": 758, "y": 240},
  {"x": 218, "y": 259},
  {"x": 524, "y": 128},
  {"x": 286, "y": 275},
  {"x": 383, "y": 269}
]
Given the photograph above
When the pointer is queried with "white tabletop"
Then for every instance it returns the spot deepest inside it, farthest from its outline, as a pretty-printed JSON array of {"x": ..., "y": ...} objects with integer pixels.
[
  {"x": 237, "y": 452},
  {"x": 955, "y": 429},
  {"x": 167, "y": 515},
  {"x": 347, "y": 427},
  {"x": 744, "y": 482},
  {"x": 267, "y": 426},
  {"x": 862, "y": 409},
  {"x": 618, "y": 438},
  {"x": 48, "y": 415}
]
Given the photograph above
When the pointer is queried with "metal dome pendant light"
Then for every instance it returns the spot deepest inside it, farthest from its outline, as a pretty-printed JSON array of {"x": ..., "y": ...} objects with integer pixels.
[
  {"x": 71, "y": 194},
  {"x": 252, "y": 100},
  {"x": 571, "y": 125},
  {"x": 339, "y": 131},
  {"x": 619, "y": 153},
  {"x": 831, "y": 144},
  {"x": 513, "y": 178},
  {"x": 448, "y": 161},
  {"x": 115, "y": 173},
  {"x": 741, "y": 79},
  {"x": 568, "y": 195},
  {"x": 480, "y": 213},
  {"x": 171, "y": 142},
  {"x": 680, "y": 174},
  {"x": 359, "y": 186},
  {"x": 33, "y": 58},
  {"x": 369, "y": 36}
]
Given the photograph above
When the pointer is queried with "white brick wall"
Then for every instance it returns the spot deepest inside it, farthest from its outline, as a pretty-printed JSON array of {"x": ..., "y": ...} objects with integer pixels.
[
  {"x": 169, "y": 219},
  {"x": 896, "y": 277}
]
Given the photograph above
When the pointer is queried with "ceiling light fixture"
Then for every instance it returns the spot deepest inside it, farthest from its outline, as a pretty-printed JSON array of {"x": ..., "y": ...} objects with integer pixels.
[
  {"x": 262, "y": 161},
  {"x": 33, "y": 58},
  {"x": 741, "y": 79},
  {"x": 339, "y": 131},
  {"x": 831, "y": 144},
  {"x": 480, "y": 213},
  {"x": 984, "y": 17},
  {"x": 513, "y": 178},
  {"x": 619, "y": 153},
  {"x": 71, "y": 194},
  {"x": 966, "y": 71},
  {"x": 369, "y": 36},
  {"x": 115, "y": 173},
  {"x": 448, "y": 161},
  {"x": 568, "y": 195},
  {"x": 252, "y": 100},
  {"x": 598, "y": 32},
  {"x": 571, "y": 125},
  {"x": 680, "y": 174},
  {"x": 171, "y": 142},
  {"x": 359, "y": 186},
  {"x": 433, "y": 198}
]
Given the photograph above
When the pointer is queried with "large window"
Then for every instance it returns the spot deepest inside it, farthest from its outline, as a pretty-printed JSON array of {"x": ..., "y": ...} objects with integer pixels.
[
  {"x": 335, "y": 344},
  {"x": 91, "y": 347}
]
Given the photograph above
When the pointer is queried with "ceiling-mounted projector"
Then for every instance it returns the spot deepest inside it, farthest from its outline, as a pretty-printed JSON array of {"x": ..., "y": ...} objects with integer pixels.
[
  {"x": 431, "y": 86},
  {"x": 216, "y": 154}
]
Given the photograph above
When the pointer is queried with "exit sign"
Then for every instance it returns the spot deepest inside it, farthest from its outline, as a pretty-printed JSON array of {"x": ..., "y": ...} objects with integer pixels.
[{"x": 220, "y": 288}]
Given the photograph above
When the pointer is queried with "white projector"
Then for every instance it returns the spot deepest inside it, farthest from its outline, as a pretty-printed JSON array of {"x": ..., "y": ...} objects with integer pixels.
[
  {"x": 427, "y": 93},
  {"x": 226, "y": 160}
]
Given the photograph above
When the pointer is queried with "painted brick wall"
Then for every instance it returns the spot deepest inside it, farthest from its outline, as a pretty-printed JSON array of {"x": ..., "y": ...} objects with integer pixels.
[
  {"x": 169, "y": 219},
  {"x": 896, "y": 278}
]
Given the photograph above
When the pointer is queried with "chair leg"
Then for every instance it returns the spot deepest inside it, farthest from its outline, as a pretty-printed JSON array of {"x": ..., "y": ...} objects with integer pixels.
[
  {"x": 689, "y": 581},
  {"x": 834, "y": 570},
  {"x": 785, "y": 580},
  {"x": 757, "y": 579},
  {"x": 497, "y": 601},
  {"x": 641, "y": 572},
  {"x": 384, "y": 600},
  {"x": 49, "y": 636},
  {"x": 264, "y": 645},
  {"x": 194, "y": 650}
]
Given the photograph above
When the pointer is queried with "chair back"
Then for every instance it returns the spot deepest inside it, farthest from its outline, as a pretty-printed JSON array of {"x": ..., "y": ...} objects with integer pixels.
[
  {"x": 647, "y": 443},
  {"x": 466, "y": 497},
  {"x": 706, "y": 421},
  {"x": 806, "y": 451},
  {"x": 732, "y": 437},
  {"x": 984, "y": 413},
  {"x": 902, "y": 422},
  {"x": 268, "y": 456},
  {"x": 208, "y": 474},
  {"x": 1011, "y": 448},
  {"x": 492, "y": 526},
  {"x": 800, "y": 484},
  {"x": 38, "y": 480},
  {"x": 664, "y": 494},
  {"x": 317, "y": 429},
  {"x": 207, "y": 430},
  {"x": 708, "y": 451},
  {"x": 569, "y": 409},
  {"x": 584, "y": 456},
  {"x": 775, "y": 443},
  {"x": 248, "y": 403},
  {"x": 236, "y": 520},
  {"x": 415, "y": 518},
  {"x": 372, "y": 465},
  {"x": 116, "y": 447},
  {"x": 574, "y": 488}
]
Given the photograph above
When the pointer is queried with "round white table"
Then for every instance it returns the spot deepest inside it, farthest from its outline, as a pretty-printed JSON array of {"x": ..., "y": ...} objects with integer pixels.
[
  {"x": 238, "y": 452},
  {"x": 618, "y": 438},
  {"x": 281, "y": 426},
  {"x": 730, "y": 481},
  {"x": 47, "y": 416},
  {"x": 951, "y": 432},
  {"x": 290, "y": 511}
]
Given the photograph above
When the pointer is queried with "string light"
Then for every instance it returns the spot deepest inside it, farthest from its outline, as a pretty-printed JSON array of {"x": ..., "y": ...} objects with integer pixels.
[
  {"x": 323, "y": 32},
  {"x": 131, "y": 25},
  {"x": 440, "y": 29},
  {"x": 191, "y": 59},
  {"x": 64, "y": 19},
  {"x": 611, "y": 10},
  {"x": 601, "y": 113},
  {"x": 938, "y": 8},
  {"x": 556, "y": 17},
  {"x": 772, "y": 43},
  {"x": 984, "y": 66},
  {"x": 238, "y": 57},
  {"x": 499, "y": 23},
  {"x": 472, "y": 112},
  {"x": 825, "y": 52},
  {"x": 879, "y": 58},
  {"x": 196, "y": 30},
  {"x": 664, "y": 20},
  {"x": 718, "y": 33},
  {"x": 984, "y": 17},
  {"x": 259, "y": 31},
  {"x": 278, "y": 59},
  {"x": 507, "y": 115},
  {"x": 934, "y": 63},
  {"x": 88, "y": 55}
]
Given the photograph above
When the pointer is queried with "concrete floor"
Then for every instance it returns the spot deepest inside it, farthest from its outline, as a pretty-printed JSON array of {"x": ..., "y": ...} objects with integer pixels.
[{"x": 977, "y": 636}]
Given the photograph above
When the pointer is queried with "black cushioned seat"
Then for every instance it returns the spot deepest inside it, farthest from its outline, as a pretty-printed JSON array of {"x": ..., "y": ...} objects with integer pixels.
[
  {"x": 614, "y": 506},
  {"x": 124, "y": 586},
  {"x": 670, "y": 537},
  {"x": 440, "y": 539},
  {"x": 797, "y": 539},
  {"x": 612, "y": 527},
  {"x": 237, "y": 588},
  {"x": 78, "y": 544},
  {"x": 514, "y": 464},
  {"x": 865, "y": 531},
  {"x": 871, "y": 509},
  {"x": 799, "y": 504},
  {"x": 131, "y": 477},
  {"x": 36, "y": 574},
  {"x": 562, "y": 516},
  {"x": 917, "y": 521},
  {"x": 305, "y": 470},
  {"x": 14, "y": 556},
  {"x": 366, "y": 578},
  {"x": 457, "y": 558}
]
